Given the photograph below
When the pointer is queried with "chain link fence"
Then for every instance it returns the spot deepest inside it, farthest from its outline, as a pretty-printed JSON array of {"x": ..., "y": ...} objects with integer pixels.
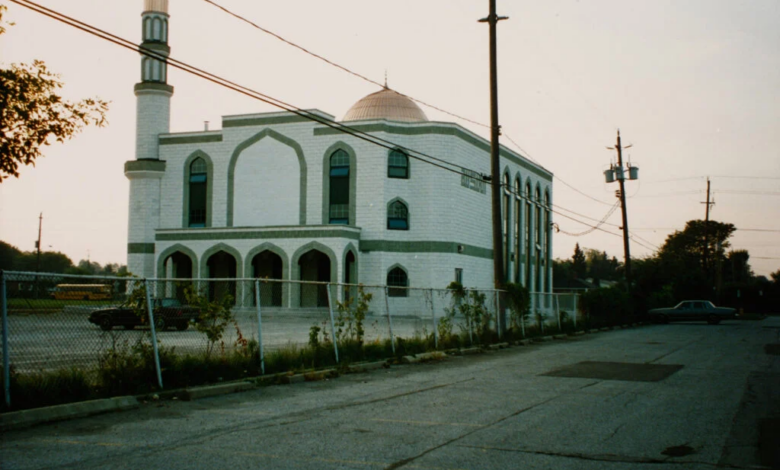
[{"x": 69, "y": 338}]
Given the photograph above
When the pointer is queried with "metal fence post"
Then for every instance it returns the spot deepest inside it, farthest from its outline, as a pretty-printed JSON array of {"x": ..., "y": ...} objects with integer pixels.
[
  {"x": 433, "y": 317},
  {"x": 522, "y": 323},
  {"x": 557, "y": 306},
  {"x": 332, "y": 325},
  {"x": 153, "y": 327},
  {"x": 389, "y": 321},
  {"x": 259, "y": 327},
  {"x": 498, "y": 316},
  {"x": 469, "y": 320},
  {"x": 6, "y": 359},
  {"x": 575, "y": 310}
]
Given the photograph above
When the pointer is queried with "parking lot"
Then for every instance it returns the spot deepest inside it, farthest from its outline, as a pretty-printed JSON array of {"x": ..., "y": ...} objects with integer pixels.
[
  {"x": 65, "y": 338},
  {"x": 679, "y": 396}
]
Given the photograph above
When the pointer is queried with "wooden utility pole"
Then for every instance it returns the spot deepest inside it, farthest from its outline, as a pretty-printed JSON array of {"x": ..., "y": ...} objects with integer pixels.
[
  {"x": 495, "y": 165},
  {"x": 621, "y": 180},
  {"x": 38, "y": 244},
  {"x": 706, "y": 230}
]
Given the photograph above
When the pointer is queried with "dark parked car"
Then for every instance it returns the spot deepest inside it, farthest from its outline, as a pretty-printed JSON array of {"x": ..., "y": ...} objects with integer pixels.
[
  {"x": 167, "y": 313},
  {"x": 693, "y": 310}
]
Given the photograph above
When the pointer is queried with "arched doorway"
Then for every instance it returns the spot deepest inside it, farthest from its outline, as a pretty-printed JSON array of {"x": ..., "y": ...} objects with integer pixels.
[
  {"x": 268, "y": 265},
  {"x": 221, "y": 265},
  {"x": 314, "y": 265},
  {"x": 177, "y": 266}
]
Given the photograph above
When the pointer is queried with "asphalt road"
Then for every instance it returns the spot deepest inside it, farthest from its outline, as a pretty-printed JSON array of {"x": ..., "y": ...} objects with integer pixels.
[{"x": 695, "y": 391}]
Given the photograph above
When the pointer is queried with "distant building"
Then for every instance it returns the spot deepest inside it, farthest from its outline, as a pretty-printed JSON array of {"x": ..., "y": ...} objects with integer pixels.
[{"x": 280, "y": 196}]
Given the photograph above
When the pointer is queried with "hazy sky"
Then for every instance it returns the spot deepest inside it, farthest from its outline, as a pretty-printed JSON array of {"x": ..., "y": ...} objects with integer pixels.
[{"x": 693, "y": 85}]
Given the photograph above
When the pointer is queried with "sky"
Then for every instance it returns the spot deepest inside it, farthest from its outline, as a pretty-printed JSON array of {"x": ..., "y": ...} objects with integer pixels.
[{"x": 694, "y": 86}]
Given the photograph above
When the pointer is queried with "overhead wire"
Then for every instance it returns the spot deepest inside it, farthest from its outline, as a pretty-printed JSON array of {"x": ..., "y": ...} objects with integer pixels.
[
  {"x": 97, "y": 32},
  {"x": 374, "y": 82},
  {"x": 246, "y": 91},
  {"x": 334, "y": 64}
]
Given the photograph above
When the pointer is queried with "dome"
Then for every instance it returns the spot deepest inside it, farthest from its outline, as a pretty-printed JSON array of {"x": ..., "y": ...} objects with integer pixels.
[{"x": 385, "y": 104}]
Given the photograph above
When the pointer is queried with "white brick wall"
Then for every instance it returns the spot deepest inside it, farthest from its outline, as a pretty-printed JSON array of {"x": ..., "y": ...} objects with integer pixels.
[{"x": 440, "y": 208}]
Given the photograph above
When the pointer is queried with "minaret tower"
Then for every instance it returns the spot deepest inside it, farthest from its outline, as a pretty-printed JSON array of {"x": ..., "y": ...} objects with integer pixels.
[{"x": 153, "y": 115}]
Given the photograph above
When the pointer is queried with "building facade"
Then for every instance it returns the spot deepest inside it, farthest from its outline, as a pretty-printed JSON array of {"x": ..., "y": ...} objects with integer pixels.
[{"x": 281, "y": 196}]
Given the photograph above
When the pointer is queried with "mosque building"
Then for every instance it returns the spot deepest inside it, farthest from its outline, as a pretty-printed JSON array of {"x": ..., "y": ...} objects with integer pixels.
[{"x": 279, "y": 196}]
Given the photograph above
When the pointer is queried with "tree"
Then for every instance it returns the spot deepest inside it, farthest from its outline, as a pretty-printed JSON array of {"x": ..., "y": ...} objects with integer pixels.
[
  {"x": 601, "y": 267},
  {"x": 578, "y": 264},
  {"x": 688, "y": 247},
  {"x": 32, "y": 114}
]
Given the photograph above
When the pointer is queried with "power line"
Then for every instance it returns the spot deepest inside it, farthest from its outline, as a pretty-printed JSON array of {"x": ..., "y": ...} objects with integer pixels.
[
  {"x": 240, "y": 89},
  {"x": 374, "y": 82},
  {"x": 260, "y": 96},
  {"x": 527, "y": 154},
  {"x": 747, "y": 192},
  {"x": 334, "y": 64},
  {"x": 594, "y": 227}
]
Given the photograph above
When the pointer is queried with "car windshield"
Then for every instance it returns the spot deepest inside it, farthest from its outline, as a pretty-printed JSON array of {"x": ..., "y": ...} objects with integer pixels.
[{"x": 709, "y": 304}]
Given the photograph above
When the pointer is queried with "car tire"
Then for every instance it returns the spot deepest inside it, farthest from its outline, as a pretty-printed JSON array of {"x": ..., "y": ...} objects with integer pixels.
[
  {"x": 712, "y": 320},
  {"x": 159, "y": 324},
  {"x": 105, "y": 323},
  {"x": 182, "y": 326}
]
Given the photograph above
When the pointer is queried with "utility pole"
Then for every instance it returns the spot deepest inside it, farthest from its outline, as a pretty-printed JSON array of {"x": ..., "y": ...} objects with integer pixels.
[
  {"x": 495, "y": 165},
  {"x": 706, "y": 230},
  {"x": 38, "y": 244},
  {"x": 619, "y": 173},
  {"x": 38, "y": 256}
]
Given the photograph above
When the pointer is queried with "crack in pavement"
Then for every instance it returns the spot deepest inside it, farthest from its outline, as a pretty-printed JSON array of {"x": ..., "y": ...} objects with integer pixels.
[
  {"x": 609, "y": 457},
  {"x": 259, "y": 423},
  {"x": 406, "y": 461}
]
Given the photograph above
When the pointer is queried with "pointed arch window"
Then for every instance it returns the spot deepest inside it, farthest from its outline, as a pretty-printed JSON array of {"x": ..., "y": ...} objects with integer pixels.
[
  {"x": 397, "y": 278},
  {"x": 339, "y": 188},
  {"x": 398, "y": 165},
  {"x": 198, "y": 192},
  {"x": 397, "y": 216}
]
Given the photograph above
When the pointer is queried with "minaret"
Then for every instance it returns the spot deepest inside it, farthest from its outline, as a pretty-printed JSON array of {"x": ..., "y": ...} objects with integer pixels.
[{"x": 153, "y": 114}]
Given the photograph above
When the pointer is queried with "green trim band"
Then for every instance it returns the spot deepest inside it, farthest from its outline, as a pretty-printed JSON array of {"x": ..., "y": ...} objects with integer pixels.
[
  {"x": 196, "y": 234},
  {"x": 140, "y": 248},
  {"x": 152, "y": 86},
  {"x": 189, "y": 139},
  {"x": 390, "y": 246},
  {"x": 156, "y": 46},
  {"x": 263, "y": 121},
  {"x": 145, "y": 165},
  {"x": 437, "y": 130}
]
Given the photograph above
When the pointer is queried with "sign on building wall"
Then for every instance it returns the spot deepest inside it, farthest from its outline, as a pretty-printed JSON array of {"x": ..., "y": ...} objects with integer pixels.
[{"x": 472, "y": 180}]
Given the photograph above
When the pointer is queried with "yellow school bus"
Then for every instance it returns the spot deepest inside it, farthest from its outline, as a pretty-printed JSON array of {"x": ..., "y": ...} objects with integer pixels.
[{"x": 81, "y": 292}]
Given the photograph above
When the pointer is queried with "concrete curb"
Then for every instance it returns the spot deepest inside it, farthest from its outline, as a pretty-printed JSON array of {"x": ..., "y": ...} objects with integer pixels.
[
  {"x": 545, "y": 338},
  {"x": 197, "y": 393},
  {"x": 578, "y": 333},
  {"x": 468, "y": 351},
  {"x": 50, "y": 414}
]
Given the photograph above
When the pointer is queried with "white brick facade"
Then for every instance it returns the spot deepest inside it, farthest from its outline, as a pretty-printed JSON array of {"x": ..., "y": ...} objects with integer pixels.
[{"x": 267, "y": 188}]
